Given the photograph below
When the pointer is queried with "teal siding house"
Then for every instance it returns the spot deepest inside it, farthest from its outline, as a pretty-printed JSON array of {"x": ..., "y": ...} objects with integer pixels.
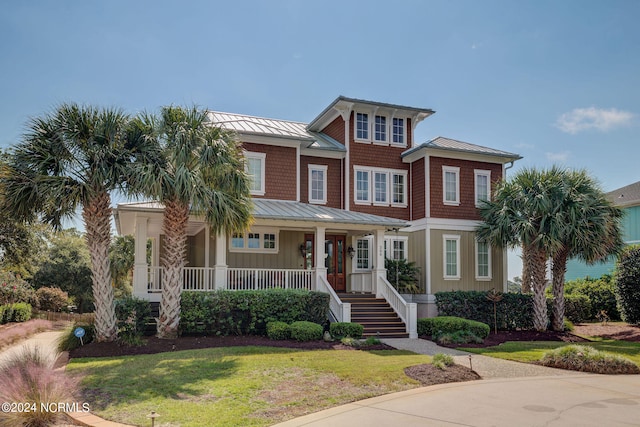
[{"x": 627, "y": 198}]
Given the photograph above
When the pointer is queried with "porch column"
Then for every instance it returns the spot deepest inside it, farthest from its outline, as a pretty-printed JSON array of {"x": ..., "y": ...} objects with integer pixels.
[
  {"x": 321, "y": 270},
  {"x": 378, "y": 259},
  {"x": 220, "y": 272},
  {"x": 140, "y": 268}
]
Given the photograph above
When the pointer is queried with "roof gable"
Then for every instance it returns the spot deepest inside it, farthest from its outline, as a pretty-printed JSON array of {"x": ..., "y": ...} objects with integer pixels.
[
  {"x": 453, "y": 145},
  {"x": 627, "y": 195}
]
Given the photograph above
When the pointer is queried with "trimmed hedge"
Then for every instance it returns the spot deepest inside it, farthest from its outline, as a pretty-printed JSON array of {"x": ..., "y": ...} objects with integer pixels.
[
  {"x": 132, "y": 316},
  {"x": 577, "y": 308},
  {"x": 18, "y": 312},
  {"x": 514, "y": 311},
  {"x": 278, "y": 331},
  {"x": 248, "y": 312},
  {"x": 628, "y": 284},
  {"x": 306, "y": 331},
  {"x": 436, "y": 326},
  {"x": 600, "y": 292},
  {"x": 339, "y": 330}
]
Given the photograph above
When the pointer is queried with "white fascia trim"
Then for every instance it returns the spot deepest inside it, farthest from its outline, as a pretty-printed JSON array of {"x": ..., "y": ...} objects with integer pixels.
[
  {"x": 443, "y": 224},
  {"x": 272, "y": 140},
  {"x": 319, "y": 152},
  {"x": 323, "y": 169}
]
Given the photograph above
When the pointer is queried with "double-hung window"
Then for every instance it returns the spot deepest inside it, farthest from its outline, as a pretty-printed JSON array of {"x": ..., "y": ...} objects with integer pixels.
[
  {"x": 395, "y": 248},
  {"x": 380, "y": 180},
  {"x": 451, "y": 185},
  {"x": 482, "y": 185},
  {"x": 380, "y": 134},
  {"x": 397, "y": 132},
  {"x": 362, "y": 186},
  {"x": 255, "y": 169},
  {"x": 362, "y": 126},
  {"x": 362, "y": 254},
  {"x": 399, "y": 188},
  {"x": 318, "y": 184},
  {"x": 451, "y": 257},
  {"x": 483, "y": 260}
]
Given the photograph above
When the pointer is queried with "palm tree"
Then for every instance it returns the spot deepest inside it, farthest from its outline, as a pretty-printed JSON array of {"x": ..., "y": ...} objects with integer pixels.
[
  {"x": 590, "y": 230},
  {"x": 199, "y": 170},
  {"x": 518, "y": 215},
  {"x": 74, "y": 158}
]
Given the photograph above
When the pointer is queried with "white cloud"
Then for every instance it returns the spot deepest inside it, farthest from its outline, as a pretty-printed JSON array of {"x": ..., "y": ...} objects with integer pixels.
[
  {"x": 580, "y": 119},
  {"x": 558, "y": 157}
]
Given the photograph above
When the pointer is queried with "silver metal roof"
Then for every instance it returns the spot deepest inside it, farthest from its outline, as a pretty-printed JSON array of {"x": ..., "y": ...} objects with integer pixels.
[
  {"x": 259, "y": 125},
  {"x": 461, "y": 146},
  {"x": 627, "y": 195},
  {"x": 297, "y": 211}
]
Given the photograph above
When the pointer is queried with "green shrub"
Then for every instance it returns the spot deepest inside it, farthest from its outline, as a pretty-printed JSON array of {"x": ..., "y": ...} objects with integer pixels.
[
  {"x": 437, "y": 326},
  {"x": 52, "y": 299},
  {"x": 587, "y": 359},
  {"x": 601, "y": 294},
  {"x": 13, "y": 290},
  {"x": 18, "y": 312},
  {"x": 340, "y": 330},
  {"x": 403, "y": 275},
  {"x": 68, "y": 341},
  {"x": 278, "y": 331},
  {"x": 458, "y": 337},
  {"x": 577, "y": 307},
  {"x": 132, "y": 316},
  {"x": 306, "y": 331},
  {"x": 514, "y": 311},
  {"x": 351, "y": 342},
  {"x": 248, "y": 312},
  {"x": 441, "y": 361},
  {"x": 628, "y": 285},
  {"x": 567, "y": 325},
  {"x": 372, "y": 341}
]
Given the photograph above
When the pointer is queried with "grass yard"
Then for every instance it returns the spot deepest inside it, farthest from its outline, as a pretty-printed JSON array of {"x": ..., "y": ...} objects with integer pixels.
[
  {"x": 532, "y": 351},
  {"x": 249, "y": 386}
]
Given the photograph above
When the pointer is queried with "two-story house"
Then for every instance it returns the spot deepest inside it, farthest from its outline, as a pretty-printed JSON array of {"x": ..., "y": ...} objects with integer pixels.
[{"x": 335, "y": 197}]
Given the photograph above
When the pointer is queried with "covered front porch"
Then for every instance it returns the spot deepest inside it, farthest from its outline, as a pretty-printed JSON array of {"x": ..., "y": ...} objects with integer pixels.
[{"x": 291, "y": 245}]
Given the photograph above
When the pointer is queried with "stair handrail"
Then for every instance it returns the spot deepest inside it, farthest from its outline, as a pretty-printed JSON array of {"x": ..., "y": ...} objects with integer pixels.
[
  {"x": 340, "y": 310},
  {"x": 408, "y": 312}
]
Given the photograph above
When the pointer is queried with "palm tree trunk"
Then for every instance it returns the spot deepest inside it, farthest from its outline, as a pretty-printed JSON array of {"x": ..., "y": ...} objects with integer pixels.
[
  {"x": 538, "y": 273},
  {"x": 176, "y": 215},
  {"x": 558, "y": 270},
  {"x": 526, "y": 269},
  {"x": 97, "y": 220}
]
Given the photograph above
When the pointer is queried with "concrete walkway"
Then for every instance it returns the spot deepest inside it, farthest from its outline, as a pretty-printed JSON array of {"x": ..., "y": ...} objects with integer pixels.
[{"x": 45, "y": 341}]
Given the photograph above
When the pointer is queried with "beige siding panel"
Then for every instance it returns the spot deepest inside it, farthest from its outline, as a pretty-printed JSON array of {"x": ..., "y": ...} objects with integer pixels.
[
  {"x": 417, "y": 253},
  {"x": 467, "y": 281},
  {"x": 288, "y": 255},
  {"x": 195, "y": 250}
]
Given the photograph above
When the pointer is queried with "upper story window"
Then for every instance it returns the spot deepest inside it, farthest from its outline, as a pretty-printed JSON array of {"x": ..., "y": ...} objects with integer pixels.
[
  {"x": 362, "y": 126},
  {"x": 389, "y": 186},
  {"x": 380, "y": 134},
  {"x": 451, "y": 185},
  {"x": 254, "y": 168},
  {"x": 451, "y": 256},
  {"x": 483, "y": 260},
  {"x": 482, "y": 185},
  {"x": 398, "y": 131},
  {"x": 318, "y": 184},
  {"x": 258, "y": 240},
  {"x": 382, "y": 129}
]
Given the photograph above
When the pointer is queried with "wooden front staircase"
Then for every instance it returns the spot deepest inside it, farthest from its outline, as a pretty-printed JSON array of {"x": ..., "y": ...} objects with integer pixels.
[{"x": 376, "y": 315}]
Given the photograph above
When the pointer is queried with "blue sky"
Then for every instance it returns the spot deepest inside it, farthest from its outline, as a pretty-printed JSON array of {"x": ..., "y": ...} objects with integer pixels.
[{"x": 555, "y": 81}]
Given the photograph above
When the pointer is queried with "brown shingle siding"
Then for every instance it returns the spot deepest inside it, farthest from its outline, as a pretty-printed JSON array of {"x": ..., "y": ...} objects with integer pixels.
[
  {"x": 280, "y": 170},
  {"x": 334, "y": 175},
  {"x": 335, "y": 129},
  {"x": 418, "y": 190}
]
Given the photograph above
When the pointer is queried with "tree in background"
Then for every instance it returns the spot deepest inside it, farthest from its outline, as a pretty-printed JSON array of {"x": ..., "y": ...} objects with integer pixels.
[
  {"x": 628, "y": 284},
  {"x": 199, "y": 170},
  {"x": 66, "y": 264},
  {"x": 74, "y": 158},
  {"x": 122, "y": 255}
]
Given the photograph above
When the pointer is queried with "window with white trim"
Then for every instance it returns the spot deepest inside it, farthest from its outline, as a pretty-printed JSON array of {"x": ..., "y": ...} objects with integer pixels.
[
  {"x": 483, "y": 260},
  {"x": 380, "y": 131},
  {"x": 362, "y": 126},
  {"x": 380, "y": 187},
  {"x": 451, "y": 256},
  {"x": 318, "y": 184},
  {"x": 256, "y": 240},
  {"x": 397, "y": 132},
  {"x": 482, "y": 185},
  {"x": 362, "y": 254},
  {"x": 395, "y": 248},
  {"x": 451, "y": 185},
  {"x": 255, "y": 169},
  {"x": 362, "y": 186},
  {"x": 389, "y": 186}
]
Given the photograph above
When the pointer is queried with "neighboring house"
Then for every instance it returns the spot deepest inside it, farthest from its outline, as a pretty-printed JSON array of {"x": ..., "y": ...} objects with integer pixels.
[
  {"x": 332, "y": 199},
  {"x": 627, "y": 198}
]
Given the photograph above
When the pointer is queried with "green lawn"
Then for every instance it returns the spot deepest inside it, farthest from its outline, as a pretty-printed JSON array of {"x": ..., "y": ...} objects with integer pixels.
[
  {"x": 532, "y": 351},
  {"x": 249, "y": 386}
]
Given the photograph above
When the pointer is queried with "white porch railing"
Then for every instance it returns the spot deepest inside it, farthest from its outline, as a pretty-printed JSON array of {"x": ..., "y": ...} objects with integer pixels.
[
  {"x": 408, "y": 312},
  {"x": 341, "y": 310},
  {"x": 269, "y": 278},
  {"x": 361, "y": 282},
  {"x": 193, "y": 279}
]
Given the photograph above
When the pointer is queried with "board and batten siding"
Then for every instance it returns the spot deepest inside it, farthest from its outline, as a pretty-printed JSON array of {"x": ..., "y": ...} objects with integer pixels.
[
  {"x": 288, "y": 255},
  {"x": 467, "y": 281},
  {"x": 417, "y": 253}
]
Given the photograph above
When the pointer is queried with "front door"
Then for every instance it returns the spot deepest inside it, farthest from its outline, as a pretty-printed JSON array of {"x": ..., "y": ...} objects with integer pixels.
[{"x": 334, "y": 261}]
